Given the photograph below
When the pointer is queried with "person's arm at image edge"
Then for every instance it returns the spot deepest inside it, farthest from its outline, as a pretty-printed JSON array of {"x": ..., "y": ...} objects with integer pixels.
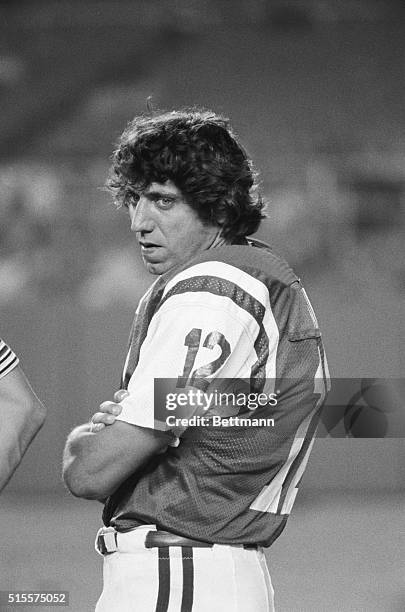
[{"x": 22, "y": 415}]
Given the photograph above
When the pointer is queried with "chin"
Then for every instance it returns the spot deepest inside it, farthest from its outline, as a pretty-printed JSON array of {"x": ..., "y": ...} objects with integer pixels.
[{"x": 157, "y": 268}]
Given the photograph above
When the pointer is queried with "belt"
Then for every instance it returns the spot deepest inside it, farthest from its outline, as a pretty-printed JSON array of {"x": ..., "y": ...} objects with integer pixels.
[
  {"x": 164, "y": 538},
  {"x": 108, "y": 540}
]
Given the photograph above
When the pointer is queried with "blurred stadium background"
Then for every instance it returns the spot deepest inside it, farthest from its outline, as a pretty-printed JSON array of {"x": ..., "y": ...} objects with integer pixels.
[{"x": 315, "y": 89}]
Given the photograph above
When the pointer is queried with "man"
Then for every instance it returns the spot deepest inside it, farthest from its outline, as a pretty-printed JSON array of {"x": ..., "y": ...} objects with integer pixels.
[
  {"x": 190, "y": 504},
  {"x": 22, "y": 414}
]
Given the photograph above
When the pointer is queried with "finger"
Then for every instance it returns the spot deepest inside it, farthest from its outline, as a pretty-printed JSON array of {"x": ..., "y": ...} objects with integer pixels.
[
  {"x": 103, "y": 417},
  {"x": 110, "y": 408},
  {"x": 119, "y": 395},
  {"x": 95, "y": 427}
]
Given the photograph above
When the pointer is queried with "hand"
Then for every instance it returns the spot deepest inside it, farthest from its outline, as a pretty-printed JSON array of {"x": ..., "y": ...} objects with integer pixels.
[{"x": 108, "y": 412}]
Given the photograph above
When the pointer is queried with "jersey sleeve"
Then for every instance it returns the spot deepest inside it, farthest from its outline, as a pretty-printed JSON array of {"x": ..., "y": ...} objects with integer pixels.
[
  {"x": 8, "y": 359},
  {"x": 202, "y": 331}
]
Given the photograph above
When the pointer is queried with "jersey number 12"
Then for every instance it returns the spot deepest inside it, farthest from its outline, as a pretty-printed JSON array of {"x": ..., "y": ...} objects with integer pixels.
[{"x": 198, "y": 377}]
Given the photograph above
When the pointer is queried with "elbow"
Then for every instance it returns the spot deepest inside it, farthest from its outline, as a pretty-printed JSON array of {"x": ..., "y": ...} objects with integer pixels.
[
  {"x": 82, "y": 484},
  {"x": 78, "y": 483},
  {"x": 74, "y": 473},
  {"x": 84, "y": 473},
  {"x": 79, "y": 487}
]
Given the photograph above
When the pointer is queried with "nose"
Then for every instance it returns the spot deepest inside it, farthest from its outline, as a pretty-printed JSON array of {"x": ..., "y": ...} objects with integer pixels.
[{"x": 140, "y": 215}]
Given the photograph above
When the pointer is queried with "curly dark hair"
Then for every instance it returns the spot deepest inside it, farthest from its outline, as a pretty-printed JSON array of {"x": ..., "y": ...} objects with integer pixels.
[{"x": 197, "y": 151}]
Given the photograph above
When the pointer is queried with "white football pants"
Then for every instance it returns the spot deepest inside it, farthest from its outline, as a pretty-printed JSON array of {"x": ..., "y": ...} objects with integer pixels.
[{"x": 184, "y": 579}]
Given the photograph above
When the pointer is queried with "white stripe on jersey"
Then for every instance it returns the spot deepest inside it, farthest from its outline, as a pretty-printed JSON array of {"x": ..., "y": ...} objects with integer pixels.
[
  {"x": 269, "y": 498},
  {"x": 223, "y": 270},
  {"x": 250, "y": 285},
  {"x": 321, "y": 387},
  {"x": 8, "y": 359},
  {"x": 311, "y": 310}
]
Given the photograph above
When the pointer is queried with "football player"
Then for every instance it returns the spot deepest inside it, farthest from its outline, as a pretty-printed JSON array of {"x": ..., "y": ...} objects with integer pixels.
[{"x": 200, "y": 456}]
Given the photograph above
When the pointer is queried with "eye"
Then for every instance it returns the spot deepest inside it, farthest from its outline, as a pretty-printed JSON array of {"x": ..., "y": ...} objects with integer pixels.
[{"x": 165, "y": 202}]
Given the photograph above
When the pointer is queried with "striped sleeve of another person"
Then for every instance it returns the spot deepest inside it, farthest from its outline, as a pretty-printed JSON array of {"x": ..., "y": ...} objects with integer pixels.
[{"x": 8, "y": 359}]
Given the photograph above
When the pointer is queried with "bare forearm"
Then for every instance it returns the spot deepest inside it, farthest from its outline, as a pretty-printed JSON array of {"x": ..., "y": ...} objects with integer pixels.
[{"x": 96, "y": 464}]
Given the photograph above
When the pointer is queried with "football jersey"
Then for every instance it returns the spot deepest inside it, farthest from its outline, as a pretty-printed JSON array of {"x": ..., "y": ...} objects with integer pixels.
[
  {"x": 234, "y": 317},
  {"x": 8, "y": 359}
]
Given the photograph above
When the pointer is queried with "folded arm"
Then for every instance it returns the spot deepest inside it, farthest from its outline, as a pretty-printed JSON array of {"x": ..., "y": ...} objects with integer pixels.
[{"x": 95, "y": 464}]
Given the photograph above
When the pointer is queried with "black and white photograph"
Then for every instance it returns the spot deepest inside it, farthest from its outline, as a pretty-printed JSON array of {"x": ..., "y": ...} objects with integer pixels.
[{"x": 202, "y": 305}]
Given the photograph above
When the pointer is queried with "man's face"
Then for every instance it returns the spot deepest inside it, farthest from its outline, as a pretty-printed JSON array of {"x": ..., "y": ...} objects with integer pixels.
[{"x": 167, "y": 228}]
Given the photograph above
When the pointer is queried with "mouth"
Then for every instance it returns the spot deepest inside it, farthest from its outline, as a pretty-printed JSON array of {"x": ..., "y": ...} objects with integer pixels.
[
  {"x": 148, "y": 245},
  {"x": 148, "y": 249}
]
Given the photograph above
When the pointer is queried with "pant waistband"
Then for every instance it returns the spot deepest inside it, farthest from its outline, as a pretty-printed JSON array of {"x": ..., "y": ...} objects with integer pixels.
[
  {"x": 109, "y": 540},
  {"x": 165, "y": 538}
]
